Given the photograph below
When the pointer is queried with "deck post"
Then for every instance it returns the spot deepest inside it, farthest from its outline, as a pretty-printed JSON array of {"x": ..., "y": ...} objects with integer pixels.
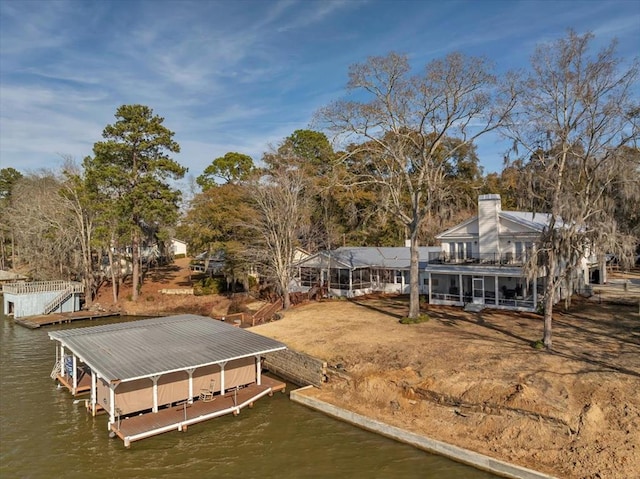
[
  {"x": 112, "y": 405},
  {"x": 460, "y": 288},
  {"x": 258, "y": 371},
  {"x": 74, "y": 375},
  {"x": 94, "y": 394},
  {"x": 430, "y": 288},
  {"x": 155, "y": 393},
  {"x": 63, "y": 367},
  {"x": 190, "y": 373},
  {"x": 222, "y": 365},
  {"x": 497, "y": 291},
  {"x": 535, "y": 294}
]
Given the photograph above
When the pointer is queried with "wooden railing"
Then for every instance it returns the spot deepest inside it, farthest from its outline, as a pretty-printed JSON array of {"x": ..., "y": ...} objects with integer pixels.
[
  {"x": 58, "y": 300},
  {"x": 245, "y": 319},
  {"x": 42, "y": 287},
  {"x": 266, "y": 312}
]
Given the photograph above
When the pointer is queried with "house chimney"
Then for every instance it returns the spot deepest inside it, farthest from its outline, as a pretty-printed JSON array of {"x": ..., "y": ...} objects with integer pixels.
[{"x": 489, "y": 206}]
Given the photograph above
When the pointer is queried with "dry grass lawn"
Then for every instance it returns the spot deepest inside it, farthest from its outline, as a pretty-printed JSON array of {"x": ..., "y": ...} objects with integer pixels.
[{"x": 473, "y": 379}]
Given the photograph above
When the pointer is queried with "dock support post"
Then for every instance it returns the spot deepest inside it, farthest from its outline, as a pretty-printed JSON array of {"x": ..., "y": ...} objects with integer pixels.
[
  {"x": 190, "y": 373},
  {"x": 94, "y": 394},
  {"x": 258, "y": 371},
  {"x": 112, "y": 405},
  {"x": 155, "y": 393},
  {"x": 74, "y": 375},
  {"x": 222, "y": 365}
]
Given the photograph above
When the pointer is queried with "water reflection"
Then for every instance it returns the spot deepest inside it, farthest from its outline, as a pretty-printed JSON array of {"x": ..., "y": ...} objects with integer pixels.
[{"x": 43, "y": 434}]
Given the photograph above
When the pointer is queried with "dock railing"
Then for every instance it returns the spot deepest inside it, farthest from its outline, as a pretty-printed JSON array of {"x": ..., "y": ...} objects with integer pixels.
[{"x": 42, "y": 287}]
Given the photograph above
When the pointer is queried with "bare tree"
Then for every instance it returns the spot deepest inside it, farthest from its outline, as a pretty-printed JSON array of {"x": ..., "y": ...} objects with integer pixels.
[
  {"x": 281, "y": 202},
  {"x": 44, "y": 230},
  {"x": 572, "y": 122},
  {"x": 405, "y": 128},
  {"x": 77, "y": 204}
]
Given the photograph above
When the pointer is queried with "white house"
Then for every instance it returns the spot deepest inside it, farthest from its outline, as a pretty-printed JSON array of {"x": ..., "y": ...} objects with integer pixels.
[
  {"x": 178, "y": 247},
  {"x": 482, "y": 259}
]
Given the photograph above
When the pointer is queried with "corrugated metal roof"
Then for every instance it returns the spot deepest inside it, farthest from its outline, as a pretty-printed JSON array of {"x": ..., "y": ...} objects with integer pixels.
[
  {"x": 148, "y": 347},
  {"x": 536, "y": 221},
  {"x": 391, "y": 257}
]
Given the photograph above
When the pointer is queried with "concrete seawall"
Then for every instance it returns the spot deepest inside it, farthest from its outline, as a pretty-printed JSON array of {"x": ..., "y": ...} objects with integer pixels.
[{"x": 480, "y": 461}]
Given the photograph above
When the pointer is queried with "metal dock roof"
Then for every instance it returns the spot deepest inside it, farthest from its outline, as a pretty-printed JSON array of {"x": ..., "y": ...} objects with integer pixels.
[{"x": 144, "y": 348}]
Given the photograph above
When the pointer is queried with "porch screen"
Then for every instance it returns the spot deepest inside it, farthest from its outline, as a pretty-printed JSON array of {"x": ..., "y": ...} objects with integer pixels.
[
  {"x": 309, "y": 276},
  {"x": 361, "y": 278},
  {"x": 340, "y": 278}
]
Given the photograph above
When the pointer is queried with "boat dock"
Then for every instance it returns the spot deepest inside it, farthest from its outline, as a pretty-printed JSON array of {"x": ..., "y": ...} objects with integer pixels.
[
  {"x": 34, "y": 322},
  {"x": 179, "y": 417}
]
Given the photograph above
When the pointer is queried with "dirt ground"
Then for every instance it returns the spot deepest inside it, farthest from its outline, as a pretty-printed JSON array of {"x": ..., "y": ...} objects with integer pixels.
[{"x": 472, "y": 379}]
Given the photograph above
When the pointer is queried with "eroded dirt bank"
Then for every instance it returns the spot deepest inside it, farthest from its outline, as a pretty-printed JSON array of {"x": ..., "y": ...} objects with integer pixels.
[{"x": 473, "y": 380}]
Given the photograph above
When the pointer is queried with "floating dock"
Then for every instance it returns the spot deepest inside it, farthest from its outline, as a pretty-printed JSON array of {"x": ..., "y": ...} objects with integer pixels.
[{"x": 34, "y": 322}]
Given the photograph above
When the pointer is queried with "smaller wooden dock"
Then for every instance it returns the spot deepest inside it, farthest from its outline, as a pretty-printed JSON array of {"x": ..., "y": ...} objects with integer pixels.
[
  {"x": 34, "y": 322},
  {"x": 179, "y": 417}
]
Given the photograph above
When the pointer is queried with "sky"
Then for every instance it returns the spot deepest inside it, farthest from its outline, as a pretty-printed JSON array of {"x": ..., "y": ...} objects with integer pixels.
[{"x": 243, "y": 75}]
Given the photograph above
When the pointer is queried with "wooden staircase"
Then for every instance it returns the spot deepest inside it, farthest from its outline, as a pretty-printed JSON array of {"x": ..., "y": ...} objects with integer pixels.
[{"x": 58, "y": 300}]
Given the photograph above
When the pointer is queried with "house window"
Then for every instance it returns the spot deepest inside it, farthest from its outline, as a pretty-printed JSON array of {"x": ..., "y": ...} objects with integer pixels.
[
  {"x": 519, "y": 251},
  {"x": 452, "y": 250},
  {"x": 469, "y": 250},
  {"x": 460, "y": 250}
]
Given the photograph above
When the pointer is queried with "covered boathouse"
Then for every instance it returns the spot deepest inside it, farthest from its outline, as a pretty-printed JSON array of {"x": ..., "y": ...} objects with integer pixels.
[{"x": 156, "y": 375}]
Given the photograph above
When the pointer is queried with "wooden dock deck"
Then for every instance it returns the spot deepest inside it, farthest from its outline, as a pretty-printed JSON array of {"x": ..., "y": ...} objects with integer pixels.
[
  {"x": 34, "y": 322},
  {"x": 179, "y": 417}
]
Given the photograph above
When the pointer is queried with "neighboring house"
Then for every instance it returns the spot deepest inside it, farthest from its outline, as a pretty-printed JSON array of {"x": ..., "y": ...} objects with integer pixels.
[
  {"x": 210, "y": 263},
  {"x": 41, "y": 297},
  {"x": 482, "y": 260},
  {"x": 356, "y": 271},
  {"x": 178, "y": 247}
]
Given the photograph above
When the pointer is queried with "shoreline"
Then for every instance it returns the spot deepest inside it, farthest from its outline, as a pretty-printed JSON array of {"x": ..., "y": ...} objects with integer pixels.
[{"x": 304, "y": 396}]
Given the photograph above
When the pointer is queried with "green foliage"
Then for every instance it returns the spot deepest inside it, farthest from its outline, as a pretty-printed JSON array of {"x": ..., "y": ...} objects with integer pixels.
[
  {"x": 232, "y": 167},
  {"x": 539, "y": 344},
  {"x": 422, "y": 318},
  {"x": 128, "y": 177},
  {"x": 207, "y": 286},
  {"x": 8, "y": 178}
]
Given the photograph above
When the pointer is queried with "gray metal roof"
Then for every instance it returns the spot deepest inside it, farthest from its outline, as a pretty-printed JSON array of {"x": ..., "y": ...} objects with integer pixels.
[
  {"x": 126, "y": 351},
  {"x": 388, "y": 257}
]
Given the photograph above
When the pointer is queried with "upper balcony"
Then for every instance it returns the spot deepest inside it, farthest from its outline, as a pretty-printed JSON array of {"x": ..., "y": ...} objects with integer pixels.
[{"x": 484, "y": 259}]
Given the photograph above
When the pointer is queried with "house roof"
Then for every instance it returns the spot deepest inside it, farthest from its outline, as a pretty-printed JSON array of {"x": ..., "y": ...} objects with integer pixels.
[
  {"x": 361, "y": 257},
  {"x": 533, "y": 222},
  {"x": 145, "y": 348}
]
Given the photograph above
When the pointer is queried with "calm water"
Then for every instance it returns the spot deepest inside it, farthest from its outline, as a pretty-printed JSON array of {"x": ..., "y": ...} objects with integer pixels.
[{"x": 43, "y": 434}]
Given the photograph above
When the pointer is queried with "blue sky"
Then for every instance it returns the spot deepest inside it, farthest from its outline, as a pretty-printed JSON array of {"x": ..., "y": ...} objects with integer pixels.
[{"x": 242, "y": 75}]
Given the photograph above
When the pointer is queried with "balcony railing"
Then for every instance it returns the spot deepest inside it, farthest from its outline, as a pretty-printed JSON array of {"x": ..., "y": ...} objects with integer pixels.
[
  {"x": 494, "y": 259},
  {"x": 490, "y": 300}
]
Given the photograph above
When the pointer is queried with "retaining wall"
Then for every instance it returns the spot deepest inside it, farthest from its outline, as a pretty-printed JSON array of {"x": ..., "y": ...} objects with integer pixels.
[{"x": 296, "y": 367}]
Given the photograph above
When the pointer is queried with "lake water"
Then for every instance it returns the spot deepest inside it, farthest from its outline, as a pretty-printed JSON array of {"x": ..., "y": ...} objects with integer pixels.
[{"x": 44, "y": 435}]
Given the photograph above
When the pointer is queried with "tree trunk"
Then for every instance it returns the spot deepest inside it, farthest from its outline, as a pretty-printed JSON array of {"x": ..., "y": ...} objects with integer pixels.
[
  {"x": 549, "y": 297},
  {"x": 114, "y": 284},
  {"x": 135, "y": 258},
  {"x": 414, "y": 276}
]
